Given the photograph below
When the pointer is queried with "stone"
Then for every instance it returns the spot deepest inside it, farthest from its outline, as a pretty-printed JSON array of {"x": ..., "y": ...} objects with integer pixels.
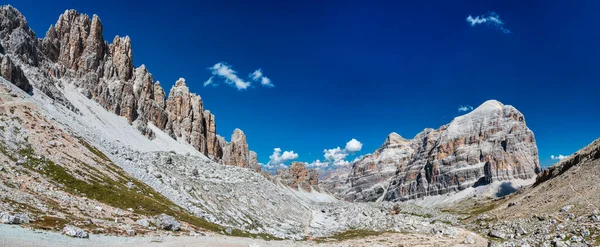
[
  {"x": 6, "y": 218},
  {"x": 497, "y": 234},
  {"x": 566, "y": 208},
  {"x": 469, "y": 240},
  {"x": 75, "y": 232},
  {"x": 167, "y": 222}
]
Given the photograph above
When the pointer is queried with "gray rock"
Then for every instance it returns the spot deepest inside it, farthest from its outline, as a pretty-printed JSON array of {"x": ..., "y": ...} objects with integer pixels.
[
  {"x": 143, "y": 222},
  {"x": 167, "y": 222},
  {"x": 559, "y": 244},
  {"x": 469, "y": 240},
  {"x": 16, "y": 219},
  {"x": 75, "y": 232},
  {"x": 494, "y": 244},
  {"x": 566, "y": 208},
  {"x": 497, "y": 234}
]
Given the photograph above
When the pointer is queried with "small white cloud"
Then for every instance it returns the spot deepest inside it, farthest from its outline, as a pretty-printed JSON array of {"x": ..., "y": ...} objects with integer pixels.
[
  {"x": 353, "y": 146},
  {"x": 336, "y": 156},
  {"x": 317, "y": 164},
  {"x": 209, "y": 81},
  {"x": 490, "y": 19},
  {"x": 223, "y": 70},
  {"x": 265, "y": 81},
  {"x": 557, "y": 157},
  {"x": 464, "y": 108},
  {"x": 256, "y": 75},
  {"x": 278, "y": 158}
]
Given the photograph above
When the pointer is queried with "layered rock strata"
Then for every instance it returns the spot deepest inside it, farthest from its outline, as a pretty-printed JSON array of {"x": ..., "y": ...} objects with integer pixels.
[{"x": 491, "y": 143}]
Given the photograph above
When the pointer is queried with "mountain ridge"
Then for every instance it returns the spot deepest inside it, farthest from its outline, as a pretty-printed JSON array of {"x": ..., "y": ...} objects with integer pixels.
[{"x": 490, "y": 143}]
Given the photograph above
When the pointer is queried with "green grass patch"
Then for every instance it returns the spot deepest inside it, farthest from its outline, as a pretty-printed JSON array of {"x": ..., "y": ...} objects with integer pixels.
[
  {"x": 94, "y": 150},
  {"x": 350, "y": 234},
  {"x": 142, "y": 198}
]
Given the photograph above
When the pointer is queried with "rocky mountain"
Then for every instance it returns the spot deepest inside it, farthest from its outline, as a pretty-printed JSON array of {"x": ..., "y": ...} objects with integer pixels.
[
  {"x": 297, "y": 175},
  {"x": 491, "y": 143},
  {"x": 93, "y": 147},
  {"x": 74, "y": 50}
]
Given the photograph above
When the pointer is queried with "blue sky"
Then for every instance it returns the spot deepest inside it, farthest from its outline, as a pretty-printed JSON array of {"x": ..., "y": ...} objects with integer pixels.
[{"x": 352, "y": 69}]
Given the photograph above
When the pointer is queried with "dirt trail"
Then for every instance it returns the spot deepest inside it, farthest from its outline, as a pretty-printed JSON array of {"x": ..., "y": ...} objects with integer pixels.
[{"x": 20, "y": 237}]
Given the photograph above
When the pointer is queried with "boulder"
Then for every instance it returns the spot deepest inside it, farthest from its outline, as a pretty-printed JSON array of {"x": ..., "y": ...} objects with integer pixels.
[
  {"x": 75, "y": 232},
  {"x": 167, "y": 222},
  {"x": 6, "y": 218}
]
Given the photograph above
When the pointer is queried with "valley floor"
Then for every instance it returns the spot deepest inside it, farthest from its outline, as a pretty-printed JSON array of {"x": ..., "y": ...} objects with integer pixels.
[{"x": 17, "y": 236}]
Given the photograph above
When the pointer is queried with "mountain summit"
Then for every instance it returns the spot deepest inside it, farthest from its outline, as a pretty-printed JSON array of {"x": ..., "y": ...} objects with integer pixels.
[{"x": 490, "y": 143}]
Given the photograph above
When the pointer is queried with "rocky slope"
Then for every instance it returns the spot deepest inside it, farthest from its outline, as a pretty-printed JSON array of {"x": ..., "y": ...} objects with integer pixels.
[
  {"x": 560, "y": 209},
  {"x": 74, "y": 50},
  {"x": 491, "y": 143}
]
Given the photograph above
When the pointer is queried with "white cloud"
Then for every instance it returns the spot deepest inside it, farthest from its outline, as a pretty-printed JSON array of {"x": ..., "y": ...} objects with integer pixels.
[
  {"x": 490, "y": 19},
  {"x": 223, "y": 70},
  {"x": 209, "y": 81},
  {"x": 337, "y": 156},
  {"x": 464, "y": 108},
  {"x": 353, "y": 146},
  {"x": 317, "y": 164},
  {"x": 278, "y": 158},
  {"x": 258, "y": 75},
  {"x": 559, "y": 157},
  {"x": 265, "y": 81}
]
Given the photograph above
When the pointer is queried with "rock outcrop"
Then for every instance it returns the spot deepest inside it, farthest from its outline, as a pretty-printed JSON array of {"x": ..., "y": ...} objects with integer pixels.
[
  {"x": 16, "y": 37},
  {"x": 13, "y": 73},
  {"x": 236, "y": 153},
  {"x": 587, "y": 154},
  {"x": 74, "y": 49},
  {"x": 298, "y": 176},
  {"x": 491, "y": 143},
  {"x": 373, "y": 171}
]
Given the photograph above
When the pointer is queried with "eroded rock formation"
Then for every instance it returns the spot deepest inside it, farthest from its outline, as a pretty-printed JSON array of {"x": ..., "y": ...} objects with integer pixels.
[
  {"x": 491, "y": 143},
  {"x": 298, "y": 176},
  {"x": 74, "y": 49}
]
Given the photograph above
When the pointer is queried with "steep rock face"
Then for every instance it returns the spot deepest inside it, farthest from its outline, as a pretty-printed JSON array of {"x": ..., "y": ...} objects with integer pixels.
[
  {"x": 186, "y": 117},
  {"x": 214, "y": 145},
  {"x": 491, "y": 143},
  {"x": 253, "y": 161},
  {"x": 298, "y": 176},
  {"x": 236, "y": 152},
  {"x": 16, "y": 37},
  {"x": 372, "y": 173},
  {"x": 74, "y": 49},
  {"x": 13, "y": 73}
]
